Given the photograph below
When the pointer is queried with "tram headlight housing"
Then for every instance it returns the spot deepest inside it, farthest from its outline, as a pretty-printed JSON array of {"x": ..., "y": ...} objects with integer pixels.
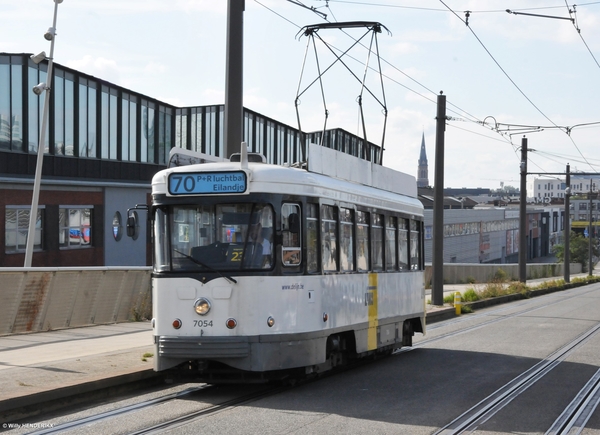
[{"x": 202, "y": 306}]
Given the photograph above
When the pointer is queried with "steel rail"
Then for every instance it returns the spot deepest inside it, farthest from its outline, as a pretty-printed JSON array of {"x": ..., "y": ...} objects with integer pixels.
[
  {"x": 575, "y": 416},
  {"x": 124, "y": 410},
  {"x": 452, "y": 334},
  {"x": 485, "y": 409}
]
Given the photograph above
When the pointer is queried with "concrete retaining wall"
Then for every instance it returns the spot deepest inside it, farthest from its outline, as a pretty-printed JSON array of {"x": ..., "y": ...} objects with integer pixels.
[
  {"x": 457, "y": 273},
  {"x": 42, "y": 299}
]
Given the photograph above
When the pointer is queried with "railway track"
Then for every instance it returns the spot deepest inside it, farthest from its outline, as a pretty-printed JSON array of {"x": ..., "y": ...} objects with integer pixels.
[{"x": 572, "y": 420}]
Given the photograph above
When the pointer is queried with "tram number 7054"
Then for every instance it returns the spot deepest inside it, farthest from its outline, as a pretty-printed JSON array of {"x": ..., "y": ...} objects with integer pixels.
[{"x": 203, "y": 323}]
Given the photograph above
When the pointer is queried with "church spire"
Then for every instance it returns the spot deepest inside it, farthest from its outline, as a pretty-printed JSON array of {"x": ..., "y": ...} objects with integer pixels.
[{"x": 423, "y": 172}]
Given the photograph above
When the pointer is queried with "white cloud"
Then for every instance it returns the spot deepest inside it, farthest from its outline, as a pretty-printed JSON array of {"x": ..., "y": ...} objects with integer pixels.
[
  {"x": 100, "y": 67},
  {"x": 155, "y": 68}
]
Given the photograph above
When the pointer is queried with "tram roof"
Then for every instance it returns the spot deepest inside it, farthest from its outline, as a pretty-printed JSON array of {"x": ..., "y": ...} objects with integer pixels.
[{"x": 268, "y": 178}]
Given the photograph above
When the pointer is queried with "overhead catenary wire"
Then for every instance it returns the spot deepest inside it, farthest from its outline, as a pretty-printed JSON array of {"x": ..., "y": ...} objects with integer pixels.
[
  {"x": 453, "y": 109},
  {"x": 573, "y": 14},
  {"x": 511, "y": 80}
]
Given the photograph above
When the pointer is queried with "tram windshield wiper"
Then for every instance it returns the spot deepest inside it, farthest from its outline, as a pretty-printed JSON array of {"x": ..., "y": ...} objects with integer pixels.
[{"x": 189, "y": 257}]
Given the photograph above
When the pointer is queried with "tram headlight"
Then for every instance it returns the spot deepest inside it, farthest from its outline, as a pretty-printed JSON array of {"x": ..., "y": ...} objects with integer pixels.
[
  {"x": 202, "y": 306},
  {"x": 270, "y": 321}
]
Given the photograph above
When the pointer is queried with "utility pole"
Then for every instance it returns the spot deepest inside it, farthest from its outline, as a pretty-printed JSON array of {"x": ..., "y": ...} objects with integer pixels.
[
  {"x": 234, "y": 78},
  {"x": 567, "y": 222},
  {"x": 437, "y": 285},
  {"x": 523, "y": 214},
  {"x": 590, "y": 251}
]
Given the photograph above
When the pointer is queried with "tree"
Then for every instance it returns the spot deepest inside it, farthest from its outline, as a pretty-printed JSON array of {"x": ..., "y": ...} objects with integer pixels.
[{"x": 578, "y": 248}]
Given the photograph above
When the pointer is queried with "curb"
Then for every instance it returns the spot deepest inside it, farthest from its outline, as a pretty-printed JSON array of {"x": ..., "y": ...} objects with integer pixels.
[
  {"x": 446, "y": 313},
  {"x": 47, "y": 401}
]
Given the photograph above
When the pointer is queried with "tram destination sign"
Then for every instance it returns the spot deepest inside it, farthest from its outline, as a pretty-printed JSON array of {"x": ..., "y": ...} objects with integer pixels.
[{"x": 207, "y": 183}]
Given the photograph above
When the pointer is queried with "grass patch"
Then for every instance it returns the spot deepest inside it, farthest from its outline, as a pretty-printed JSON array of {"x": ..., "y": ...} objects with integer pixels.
[
  {"x": 470, "y": 295},
  {"x": 146, "y": 356},
  {"x": 449, "y": 299},
  {"x": 466, "y": 309}
]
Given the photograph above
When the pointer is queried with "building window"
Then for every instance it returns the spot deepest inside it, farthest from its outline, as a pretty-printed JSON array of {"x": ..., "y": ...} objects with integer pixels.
[
  {"x": 117, "y": 226},
  {"x": 87, "y": 118},
  {"x": 75, "y": 227},
  {"x": 63, "y": 90},
  {"x": 165, "y": 117},
  {"x": 16, "y": 228},
  {"x": 108, "y": 120},
  {"x": 147, "y": 136},
  {"x": 128, "y": 129},
  {"x": 11, "y": 106}
]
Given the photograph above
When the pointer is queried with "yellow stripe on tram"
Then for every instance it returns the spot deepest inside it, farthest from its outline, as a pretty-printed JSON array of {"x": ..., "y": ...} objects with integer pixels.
[{"x": 373, "y": 319}]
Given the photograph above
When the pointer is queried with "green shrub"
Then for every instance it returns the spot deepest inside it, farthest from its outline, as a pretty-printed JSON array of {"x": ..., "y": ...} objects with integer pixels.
[
  {"x": 470, "y": 295},
  {"x": 500, "y": 276},
  {"x": 466, "y": 309},
  {"x": 518, "y": 287},
  {"x": 492, "y": 290},
  {"x": 449, "y": 299}
]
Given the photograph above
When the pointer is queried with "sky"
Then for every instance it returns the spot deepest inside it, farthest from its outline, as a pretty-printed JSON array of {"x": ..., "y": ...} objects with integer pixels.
[{"x": 498, "y": 70}]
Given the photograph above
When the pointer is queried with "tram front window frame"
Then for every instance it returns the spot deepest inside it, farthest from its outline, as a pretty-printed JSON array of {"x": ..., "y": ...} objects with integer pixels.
[{"x": 213, "y": 237}]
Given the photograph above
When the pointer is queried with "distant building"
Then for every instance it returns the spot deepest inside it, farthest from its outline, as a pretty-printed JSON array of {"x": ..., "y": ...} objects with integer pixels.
[
  {"x": 491, "y": 235},
  {"x": 467, "y": 191},
  {"x": 540, "y": 188},
  {"x": 423, "y": 173}
]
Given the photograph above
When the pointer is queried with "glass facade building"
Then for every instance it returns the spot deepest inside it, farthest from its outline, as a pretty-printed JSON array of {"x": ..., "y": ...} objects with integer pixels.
[{"x": 103, "y": 144}]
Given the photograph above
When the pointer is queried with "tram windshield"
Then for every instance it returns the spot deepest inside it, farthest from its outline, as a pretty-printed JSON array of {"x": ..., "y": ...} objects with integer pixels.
[{"x": 222, "y": 237}]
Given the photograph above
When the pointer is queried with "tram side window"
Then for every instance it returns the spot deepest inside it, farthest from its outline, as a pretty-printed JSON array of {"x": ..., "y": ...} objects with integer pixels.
[
  {"x": 403, "y": 244},
  {"x": 390, "y": 243},
  {"x": 161, "y": 247},
  {"x": 312, "y": 238},
  {"x": 377, "y": 242},
  {"x": 362, "y": 241},
  {"x": 415, "y": 245},
  {"x": 291, "y": 232},
  {"x": 346, "y": 240},
  {"x": 329, "y": 238}
]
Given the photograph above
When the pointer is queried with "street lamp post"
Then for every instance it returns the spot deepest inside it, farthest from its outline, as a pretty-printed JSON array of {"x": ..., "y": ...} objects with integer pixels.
[{"x": 50, "y": 36}]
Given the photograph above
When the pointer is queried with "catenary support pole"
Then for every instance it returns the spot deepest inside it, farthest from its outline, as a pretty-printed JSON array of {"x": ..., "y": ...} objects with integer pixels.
[
  {"x": 523, "y": 214},
  {"x": 234, "y": 78},
  {"x": 437, "y": 285},
  {"x": 567, "y": 226},
  {"x": 590, "y": 233}
]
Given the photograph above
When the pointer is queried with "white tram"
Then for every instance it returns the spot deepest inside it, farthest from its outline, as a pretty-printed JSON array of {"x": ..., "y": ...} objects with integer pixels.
[{"x": 261, "y": 268}]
